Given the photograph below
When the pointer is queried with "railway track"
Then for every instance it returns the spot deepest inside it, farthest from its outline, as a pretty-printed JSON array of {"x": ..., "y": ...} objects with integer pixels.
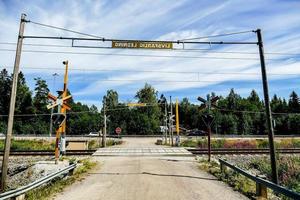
[
  {"x": 243, "y": 151},
  {"x": 219, "y": 151},
  {"x": 48, "y": 152}
]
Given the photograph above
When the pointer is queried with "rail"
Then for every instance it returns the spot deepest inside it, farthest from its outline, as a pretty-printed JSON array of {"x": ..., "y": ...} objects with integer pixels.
[
  {"x": 22, "y": 190},
  {"x": 261, "y": 184},
  {"x": 223, "y": 151},
  {"x": 48, "y": 152}
]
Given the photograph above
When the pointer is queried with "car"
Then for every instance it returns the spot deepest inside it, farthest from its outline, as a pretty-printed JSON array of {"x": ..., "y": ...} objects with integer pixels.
[
  {"x": 197, "y": 133},
  {"x": 94, "y": 134}
]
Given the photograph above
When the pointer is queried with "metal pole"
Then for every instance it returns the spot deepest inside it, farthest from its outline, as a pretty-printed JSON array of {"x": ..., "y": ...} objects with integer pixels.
[
  {"x": 268, "y": 108},
  {"x": 209, "y": 141},
  {"x": 12, "y": 103},
  {"x": 166, "y": 122},
  {"x": 171, "y": 121},
  {"x": 104, "y": 128},
  {"x": 209, "y": 127}
]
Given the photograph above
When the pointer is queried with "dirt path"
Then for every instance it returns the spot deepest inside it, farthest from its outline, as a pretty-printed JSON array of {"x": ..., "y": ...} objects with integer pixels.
[{"x": 148, "y": 178}]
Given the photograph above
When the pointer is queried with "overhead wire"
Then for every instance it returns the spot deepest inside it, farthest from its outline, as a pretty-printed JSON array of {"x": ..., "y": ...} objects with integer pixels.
[
  {"x": 255, "y": 112},
  {"x": 96, "y": 69},
  {"x": 64, "y": 29},
  {"x": 218, "y": 35},
  {"x": 137, "y": 55},
  {"x": 174, "y": 49},
  {"x": 127, "y": 107}
]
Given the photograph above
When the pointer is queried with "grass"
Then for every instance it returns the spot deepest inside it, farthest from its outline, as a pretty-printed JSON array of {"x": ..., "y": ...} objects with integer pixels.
[
  {"x": 238, "y": 182},
  {"x": 39, "y": 144},
  {"x": 288, "y": 171},
  {"x": 47, "y": 191},
  {"x": 94, "y": 144},
  {"x": 29, "y": 145},
  {"x": 241, "y": 143}
]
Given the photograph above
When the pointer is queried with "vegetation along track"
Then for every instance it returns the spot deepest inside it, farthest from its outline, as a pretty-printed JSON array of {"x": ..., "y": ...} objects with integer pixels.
[
  {"x": 223, "y": 151},
  {"x": 48, "y": 152}
]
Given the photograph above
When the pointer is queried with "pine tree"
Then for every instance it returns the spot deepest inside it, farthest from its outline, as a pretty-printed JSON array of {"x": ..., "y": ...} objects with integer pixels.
[
  {"x": 40, "y": 100},
  {"x": 294, "y": 105}
]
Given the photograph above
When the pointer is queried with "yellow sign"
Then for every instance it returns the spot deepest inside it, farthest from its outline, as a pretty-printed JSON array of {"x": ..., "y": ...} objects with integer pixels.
[
  {"x": 142, "y": 45},
  {"x": 136, "y": 104}
]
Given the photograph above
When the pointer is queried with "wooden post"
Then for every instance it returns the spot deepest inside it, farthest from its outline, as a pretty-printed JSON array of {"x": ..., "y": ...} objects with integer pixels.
[{"x": 12, "y": 103}]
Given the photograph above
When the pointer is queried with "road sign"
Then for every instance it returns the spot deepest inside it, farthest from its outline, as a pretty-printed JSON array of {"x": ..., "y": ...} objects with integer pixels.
[
  {"x": 118, "y": 130},
  {"x": 142, "y": 45}
]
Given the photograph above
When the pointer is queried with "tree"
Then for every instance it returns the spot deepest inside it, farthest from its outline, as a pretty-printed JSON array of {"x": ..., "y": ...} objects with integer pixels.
[
  {"x": 40, "y": 100},
  {"x": 148, "y": 116},
  {"x": 111, "y": 99},
  {"x": 5, "y": 89},
  {"x": 294, "y": 105},
  {"x": 233, "y": 100}
]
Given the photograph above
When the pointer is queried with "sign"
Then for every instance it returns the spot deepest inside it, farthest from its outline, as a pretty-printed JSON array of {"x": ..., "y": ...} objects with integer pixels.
[
  {"x": 136, "y": 104},
  {"x": 118, "y": 130},
  {"x": 142, "y": 45}
]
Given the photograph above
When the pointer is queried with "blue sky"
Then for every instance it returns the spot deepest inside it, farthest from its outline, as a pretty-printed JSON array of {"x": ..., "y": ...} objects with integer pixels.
[{"x": 90, "y": 77}]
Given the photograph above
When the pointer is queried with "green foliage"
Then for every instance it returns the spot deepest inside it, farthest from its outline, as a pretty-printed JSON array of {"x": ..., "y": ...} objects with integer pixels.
[
  {"x": 29, "y": 145},
  {"x": 40, "y": 100},
  {"x": 238, "y": 115},
  {"x": 240, "y": 143}
]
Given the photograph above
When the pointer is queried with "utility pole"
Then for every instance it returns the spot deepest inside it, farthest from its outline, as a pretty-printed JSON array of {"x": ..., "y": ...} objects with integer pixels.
[
  {"x": 166, "y": 122},
  {"x": 12, "y": 103},
  {"x": 171, "y": 122},
  {"x": 104, "y": 127},
  {"x": 268, "y": 107},
  {"x": 177, "y": 123}
]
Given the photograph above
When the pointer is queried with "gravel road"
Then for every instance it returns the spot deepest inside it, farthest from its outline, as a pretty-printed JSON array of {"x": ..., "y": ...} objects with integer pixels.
[{"x": 148, "y": 178}]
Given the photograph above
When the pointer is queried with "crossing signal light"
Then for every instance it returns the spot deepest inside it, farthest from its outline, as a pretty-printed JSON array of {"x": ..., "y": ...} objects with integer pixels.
[
  {"x": 58, "y": 119},
  {"x": 208, "y": 118}
]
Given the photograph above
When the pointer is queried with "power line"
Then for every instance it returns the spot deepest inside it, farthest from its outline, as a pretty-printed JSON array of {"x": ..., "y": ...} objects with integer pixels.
[
  {"x": 174, "y": 49},
  {"x": 49, "y": 114},
  {"x": 86, "y": 69},
  {"x": 126, "y": 107},
  {"x": 219, "y": 35},
  {"x": 137, "y": 55},
  {"x": 255, "y": 112},
  {"x": 64, "y": 29}
]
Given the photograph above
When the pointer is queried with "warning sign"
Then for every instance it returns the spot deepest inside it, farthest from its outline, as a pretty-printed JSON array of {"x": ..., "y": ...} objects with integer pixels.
[{"x": 142, "y": 45}]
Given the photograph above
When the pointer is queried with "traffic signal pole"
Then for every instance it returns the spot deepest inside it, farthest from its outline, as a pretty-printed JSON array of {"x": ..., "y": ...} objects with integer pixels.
[
  {"x": 268, "y": 108},
  {"x": 12, "y": 103}
]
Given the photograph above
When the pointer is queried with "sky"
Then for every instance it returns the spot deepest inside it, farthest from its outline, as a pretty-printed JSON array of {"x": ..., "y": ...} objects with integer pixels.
[{"x": 189, "y": 71}]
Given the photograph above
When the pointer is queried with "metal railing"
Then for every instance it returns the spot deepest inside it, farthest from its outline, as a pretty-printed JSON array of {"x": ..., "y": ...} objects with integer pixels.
[
  {"x": 22, "y": 190},
  {"x": 261, "y": 184}
]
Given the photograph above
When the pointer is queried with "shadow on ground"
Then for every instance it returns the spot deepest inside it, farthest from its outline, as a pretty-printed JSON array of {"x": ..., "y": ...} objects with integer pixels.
[{"x": 155, "y": 174}]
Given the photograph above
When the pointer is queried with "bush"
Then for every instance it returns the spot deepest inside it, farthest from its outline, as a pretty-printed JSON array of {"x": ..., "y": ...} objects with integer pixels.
[
  {"x": 218, "y": 143},
  {"x": 240, "y": 144}
]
